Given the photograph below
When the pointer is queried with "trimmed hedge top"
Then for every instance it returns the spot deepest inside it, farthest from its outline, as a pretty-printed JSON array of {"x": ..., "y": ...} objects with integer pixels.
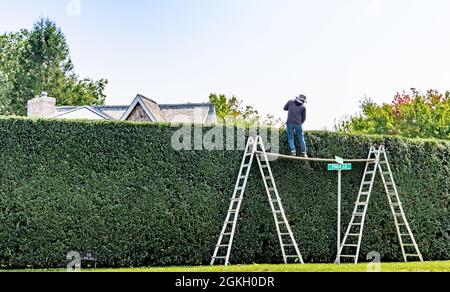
[{"x": 121, "y": 190}]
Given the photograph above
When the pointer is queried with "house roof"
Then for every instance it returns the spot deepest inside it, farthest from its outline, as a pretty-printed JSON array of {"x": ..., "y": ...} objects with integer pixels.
[
  {"x": 198, "y": 113},
  {"x": 150, "y": 107}
]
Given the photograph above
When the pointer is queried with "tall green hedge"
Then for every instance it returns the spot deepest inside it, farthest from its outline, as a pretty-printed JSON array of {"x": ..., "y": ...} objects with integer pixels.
[{"x": 121, "y": 190}]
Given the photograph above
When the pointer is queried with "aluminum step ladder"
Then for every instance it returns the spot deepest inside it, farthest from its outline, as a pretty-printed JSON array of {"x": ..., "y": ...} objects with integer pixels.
[
  {"x": 351, "y": 245},
  {"x": 289, "y": 247}
]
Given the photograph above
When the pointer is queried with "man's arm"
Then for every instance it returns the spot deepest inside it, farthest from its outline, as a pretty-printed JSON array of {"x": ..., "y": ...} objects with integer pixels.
[
  {"x": 304, "y": 115},
  {"x": 286, "y": 107}
]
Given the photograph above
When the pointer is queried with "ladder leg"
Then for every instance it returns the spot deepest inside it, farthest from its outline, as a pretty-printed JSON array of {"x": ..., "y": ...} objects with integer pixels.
[
  {"x": 351, "y": 243},
  {"x": 227, "y": 234},
  {"x": 288, "y": 244},
  {"x": 408, "y": 244}
]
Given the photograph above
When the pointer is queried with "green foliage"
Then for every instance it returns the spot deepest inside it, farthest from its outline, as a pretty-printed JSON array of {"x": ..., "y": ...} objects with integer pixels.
[
  {"x": 412, "y": 115},
  {"x": 121, "y": 190},
  {"x": 37, "y": 60},
  {"x": 231, "y": 110}
]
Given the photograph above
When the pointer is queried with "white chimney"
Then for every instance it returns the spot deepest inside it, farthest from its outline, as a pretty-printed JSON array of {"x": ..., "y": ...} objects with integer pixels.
[{"x": 42, "y": 106}]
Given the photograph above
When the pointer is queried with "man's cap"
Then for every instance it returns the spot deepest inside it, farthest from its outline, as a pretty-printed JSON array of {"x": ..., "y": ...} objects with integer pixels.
[{"x": 301, "y": 98}]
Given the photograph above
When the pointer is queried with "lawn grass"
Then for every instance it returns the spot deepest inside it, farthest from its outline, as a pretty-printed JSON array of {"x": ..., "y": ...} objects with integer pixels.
[{"x": 385, "y": 267}]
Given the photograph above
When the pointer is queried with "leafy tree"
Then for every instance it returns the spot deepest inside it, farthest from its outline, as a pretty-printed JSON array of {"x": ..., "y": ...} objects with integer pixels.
[
  {"x": 232, "y": 110},
  {"x": 37, "y": 60},
  {"x": 413, "y": 115}
]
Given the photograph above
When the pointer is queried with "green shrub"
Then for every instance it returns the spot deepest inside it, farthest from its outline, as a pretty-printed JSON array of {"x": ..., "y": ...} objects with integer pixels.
[{"x": 121, "y": 190}]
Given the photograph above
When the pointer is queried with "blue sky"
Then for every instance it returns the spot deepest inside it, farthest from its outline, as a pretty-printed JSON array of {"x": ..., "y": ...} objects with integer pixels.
[{"x": 263, "y": 51}]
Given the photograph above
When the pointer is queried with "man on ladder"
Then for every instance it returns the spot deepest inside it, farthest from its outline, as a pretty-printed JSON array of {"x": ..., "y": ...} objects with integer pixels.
[{"x": 296, "y": 118}]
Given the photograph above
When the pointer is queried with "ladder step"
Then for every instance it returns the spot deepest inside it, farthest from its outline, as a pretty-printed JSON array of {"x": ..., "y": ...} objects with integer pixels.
[
  {"x": 267, "y": 177},
  {"x": 226, "y": 233},
  {"x": 350, "y": 245},
  {"x": 223, "y": 245},
  {"x": 412, "y": 255},
  {"x": 278, "y": 212},
  {"x": 358, "y": 214},
  {"x": 370, "y": 172},
  {"x": 367, "y": 183},
  {"x": 361, "y": 203},
  {"x": 397, "y": 204},
  {"x": 365, "y": 193},
  {"x": 347, "y": 256},
  {"x": 291, "y": 256},
  {"x": 354, "y": 234},
  {"x": 409, "y": 244},
  {"x": 355, "y": 224},
  {"x": 404, "y": 234},
  {"x": 285, "y": 234},
  {"x": 242, "y": 177},
  {"x": 219, "y": 258},
  {"x": 232, "y": 211},
  {"x": 398, "y": 214},
  {"x": 288, "y": 245}
]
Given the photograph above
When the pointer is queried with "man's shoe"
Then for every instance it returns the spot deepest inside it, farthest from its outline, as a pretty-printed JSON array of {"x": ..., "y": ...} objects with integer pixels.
[
  {"x": 294, "y": 153},
  {"x": 305, "y": 155}
]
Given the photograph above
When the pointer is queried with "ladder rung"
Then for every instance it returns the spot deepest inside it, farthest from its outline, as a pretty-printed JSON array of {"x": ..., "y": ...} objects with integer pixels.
[
  {"x": 223, "y": 245},
  {"x": 389, "y": 183},
  {"x": 236, "y": 200},
  {"x": 358, "y": 214},
  {"x": 356, "y": 224},
  {"x": 409, "y": 244},
  {"x": 361, "y": 203},
  {"x": 367, "y": 183},
  {"x": 347, "y": 256},
  {"x": 382, "y": 162},
  {"x": 386, "y": 173},
  {"x": 365, "y": 193},
  {"x": 246, "y": 165},
  {"x": 354, "y": 234},
  {"x": 229, "y": 222},
  {"x": 398, "y": 214},
  {"x": 397, "y": 204},
  {"x": 288, "y": 244},
  {"x": 404, "y": 234},
  {"x": 278, "y": 212},
  {"x": 285, "y": 234},
  {"x": 267, "y": 177},
  {"x": 242, "y": 177},
  {"x": 232, "y": 211},
  {"x": 412, "y": 255},
  {"x": 218, "y": 258},
  {"x": 226, "y": 233},
  {"x": 370, "y": 172},
  {"x": 291, "y": 256},
  {"x": 350, "y": 245}
]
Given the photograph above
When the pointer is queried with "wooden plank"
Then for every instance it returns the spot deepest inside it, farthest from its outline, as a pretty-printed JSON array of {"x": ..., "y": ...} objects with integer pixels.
[{"x": 315, "y": 159}]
